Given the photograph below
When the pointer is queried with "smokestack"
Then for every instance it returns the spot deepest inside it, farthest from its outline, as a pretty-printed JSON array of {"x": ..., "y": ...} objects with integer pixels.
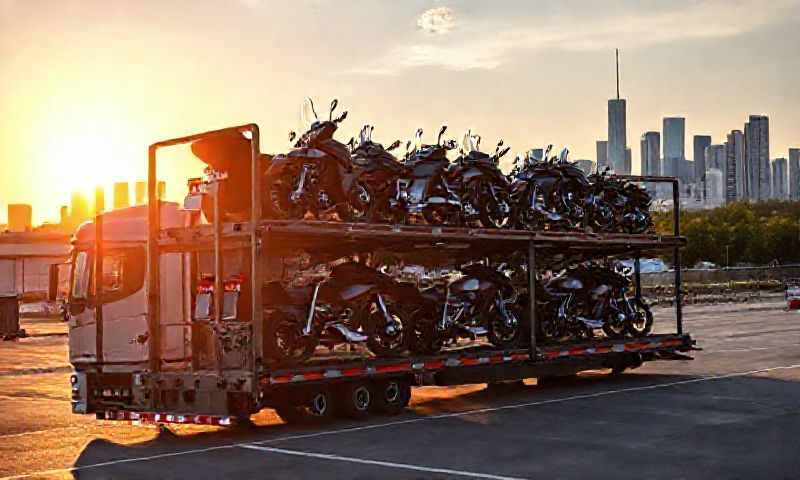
[
  {"x": 141, "y": 193},
  {"x": 121, "y": 199},
  {"x": 99, "y": 200}
]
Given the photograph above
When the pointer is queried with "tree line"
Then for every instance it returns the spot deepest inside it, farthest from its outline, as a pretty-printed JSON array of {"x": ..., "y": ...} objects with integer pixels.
[{"x": 739, "y": 233}]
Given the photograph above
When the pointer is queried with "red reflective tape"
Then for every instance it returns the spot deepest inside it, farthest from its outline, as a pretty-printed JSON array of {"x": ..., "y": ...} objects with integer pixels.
[
  {"x": 551, "y": 355},
  {"x": 470, "y": 361},
  {"x": 520, "y": 356},
  {"x": 434, "y": 365},
  {"x": 313, "y": 375},
  {"x": 636, "y": 346},
  {"x": 576, "y": 351},
  {"x": 602, "y": 349},
  {"x": 281, "y": 379},
  {"x": 496, "y": 359},
  {"x": 397, "y": 367},
  {"x": 352, "y": 372}
]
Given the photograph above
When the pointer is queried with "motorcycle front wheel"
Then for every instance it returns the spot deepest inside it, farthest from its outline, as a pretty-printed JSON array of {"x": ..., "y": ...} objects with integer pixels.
[
  {"x": 385, "y": 338},
  {"x": 284, "y": 341},
  {"x": 495, "y": 208},
  {"x": 361, "y": 200},
  {"x": 639, "y": 322},
  {"x": 279, "y": 203},
  {"x": 506, "y": 334}
]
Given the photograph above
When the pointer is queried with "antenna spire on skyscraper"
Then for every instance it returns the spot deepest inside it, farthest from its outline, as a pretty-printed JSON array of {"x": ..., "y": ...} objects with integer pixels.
[{"x": 617, "y": 54}]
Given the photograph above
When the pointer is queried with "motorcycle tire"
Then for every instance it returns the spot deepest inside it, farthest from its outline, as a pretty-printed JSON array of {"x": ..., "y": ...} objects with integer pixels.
[
  {"x": 442, "y": 216},
  {"x": 278, "y": 204},
  {"x": 381, "y": 342},
  {"x": 361, "y": 200},
  {"x": 643, "y": 324},
  {"x": 489, "y": 211},
  {"x": 425, "y": 339},
  {"x": 284, "y": 342},
  {"x": 614, "y": 331},
  {"x": 502, "y": 336}
]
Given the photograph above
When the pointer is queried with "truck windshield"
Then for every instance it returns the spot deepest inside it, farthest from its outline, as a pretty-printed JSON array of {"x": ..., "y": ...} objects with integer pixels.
[{"x": 80, "y": 281}]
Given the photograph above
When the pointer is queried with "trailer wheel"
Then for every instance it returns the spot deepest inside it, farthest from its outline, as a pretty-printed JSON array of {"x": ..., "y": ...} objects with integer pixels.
[
  {"x": 354, "y": 400},
  {"x": 318, "y": 407},
  {"x": 392, "y": 396}
]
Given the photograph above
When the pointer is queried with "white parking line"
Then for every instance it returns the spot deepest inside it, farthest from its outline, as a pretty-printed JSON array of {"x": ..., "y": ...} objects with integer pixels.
[
  {"x": 405, "y": 422},
  {"x": 363, "y": 461}
]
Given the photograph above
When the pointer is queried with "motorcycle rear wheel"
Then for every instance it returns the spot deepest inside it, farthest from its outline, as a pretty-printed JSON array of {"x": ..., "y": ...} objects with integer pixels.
[
  {"x": 279, "y": 204},
  {"x": 490, "y": 209},
  {"x": 502, "y": 335},
  {"x": 642, "y": 324},
  {"x": 361, "y": 200},
  {"x": 381, "y": 342}
]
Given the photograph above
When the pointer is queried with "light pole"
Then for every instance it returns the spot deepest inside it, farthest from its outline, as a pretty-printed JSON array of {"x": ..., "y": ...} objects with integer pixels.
[{"x": 727, "y": 256}]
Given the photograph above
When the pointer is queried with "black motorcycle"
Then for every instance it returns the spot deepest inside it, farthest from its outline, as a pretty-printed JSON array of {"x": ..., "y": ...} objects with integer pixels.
[
  {"x": 377, "y": 171},
  {"x": 482, "y": 187},
  {"x": 424, "y": 188},
  {"x": 355, "y": 304},
  {"x": 590, "y": 296},
  {"x": 316, "y": 177},
  {"x": 536, "y": 194},
  {"x": 617, "y": 205},
  {"x": 482, "y": 302}
]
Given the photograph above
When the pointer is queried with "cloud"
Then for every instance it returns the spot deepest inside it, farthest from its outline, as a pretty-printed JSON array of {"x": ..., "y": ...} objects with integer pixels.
[
  {"x": 437, "y": 21},
  {"x": 487, "y": 43}
]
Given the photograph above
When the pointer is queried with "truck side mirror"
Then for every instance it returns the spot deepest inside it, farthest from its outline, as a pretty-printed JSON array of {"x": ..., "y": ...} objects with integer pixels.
[{"x": 52, "y": 282}]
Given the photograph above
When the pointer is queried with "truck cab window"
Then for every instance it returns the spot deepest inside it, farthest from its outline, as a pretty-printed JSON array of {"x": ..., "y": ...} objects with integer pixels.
[
  {"x": 80, "y": 279},
  {"x": 113, "y": 272}
]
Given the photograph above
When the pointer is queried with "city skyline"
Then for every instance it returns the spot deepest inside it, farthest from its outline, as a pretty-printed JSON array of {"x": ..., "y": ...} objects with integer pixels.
[{"x": 532, "y": 76}]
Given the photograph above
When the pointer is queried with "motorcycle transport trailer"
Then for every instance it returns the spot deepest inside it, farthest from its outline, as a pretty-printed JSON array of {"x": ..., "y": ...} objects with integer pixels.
[{"x": 173, "y": 365}]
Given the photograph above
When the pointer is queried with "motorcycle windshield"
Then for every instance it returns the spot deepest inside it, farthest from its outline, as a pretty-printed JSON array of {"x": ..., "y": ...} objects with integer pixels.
[{"x": 429, "y": 168}]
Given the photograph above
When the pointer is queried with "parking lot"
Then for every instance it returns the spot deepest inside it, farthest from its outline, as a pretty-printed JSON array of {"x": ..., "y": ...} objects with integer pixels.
[{"x": 733, "y": 412}]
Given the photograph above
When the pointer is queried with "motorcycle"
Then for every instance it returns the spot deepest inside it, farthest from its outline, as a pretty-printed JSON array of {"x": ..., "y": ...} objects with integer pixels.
[
  {"x": 600, "y": 216},
  {"x": 424, "y": 189},
  {"x": 377, "y": 170},
  {"x": 316, "y": 177},
  {"x": 536, "y": 194},
  {"x": 355, "y": 305},
  {"x": 588, "y": 297},
  {"x": 482, "y": 187},
  {"x": 618, "y": 205},
  {"x": 482, "y": 302}
]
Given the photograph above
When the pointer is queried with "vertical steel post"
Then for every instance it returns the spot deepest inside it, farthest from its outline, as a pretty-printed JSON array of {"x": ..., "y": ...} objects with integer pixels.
[
  {"x": 153, "y": 256},
  {"x": 98, "y": 287},
  {"x": 532, "y": 296},
  {"x": 676, "y": 218},
  {"x": 218, "y": 272},
  {"x": 257, "y": 312},
  {"x": 637, "y": 272}
]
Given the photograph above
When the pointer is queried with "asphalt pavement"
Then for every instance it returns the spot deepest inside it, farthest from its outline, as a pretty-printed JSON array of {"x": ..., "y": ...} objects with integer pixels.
[{"x": 733, "y": 412}]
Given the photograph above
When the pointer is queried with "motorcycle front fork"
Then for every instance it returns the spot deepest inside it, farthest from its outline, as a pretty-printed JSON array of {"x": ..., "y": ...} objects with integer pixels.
[{"x": 297, "y": 193}]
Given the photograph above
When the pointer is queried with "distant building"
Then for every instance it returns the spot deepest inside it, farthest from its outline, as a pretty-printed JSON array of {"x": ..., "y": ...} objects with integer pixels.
[
  {"x": 64, "y": 217},
  {"x": 78, "y": 208},
  {"x": 794, "y": 174},
  {"x": 780, "y": 179},
  {"x": 617, "y": 136},
  {"x": 756, "y": 133},
  {"x": 602, "y": 154},
  {"x": 141, "y": 193},
  {"x": 586, "y": 165},
  {"x": 121, "y": 199},
  {"x": 715, "y": 188},
  {"x": 674, "y": 131},
  {"x": 700, "y": 143},
  {"x": 736, "y": 171},
  {"x": 628, "y": 162},
  {"x": 99, "y": 200},
  {"x": 161, "y": 190},
  {"x": 20, "y": 216},
  {"x": 715, "y": 157},
  {"x": 651, "y": 153}
]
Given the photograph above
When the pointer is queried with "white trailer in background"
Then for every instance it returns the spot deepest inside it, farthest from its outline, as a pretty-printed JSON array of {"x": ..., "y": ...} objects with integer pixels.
[{"x": 25, "y": 260}]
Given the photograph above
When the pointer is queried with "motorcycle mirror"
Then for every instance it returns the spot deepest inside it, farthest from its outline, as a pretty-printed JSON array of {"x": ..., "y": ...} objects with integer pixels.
[
  {"x": 341, "y": 117},
  {"x": 334, "y": 103},
  {"x": 371, "y": 129},
  {"x": 352, "y": 143},
  {"x": 547, "y": 152},
  {"x": 292, "y": 135},
  {"x": 313, "y": 108},
  {"x": 503, "y": 152},
  {"x": 441, "y": 132},
  {"x": 394, "y": 145},
  {"x": 478, "y": 142}
]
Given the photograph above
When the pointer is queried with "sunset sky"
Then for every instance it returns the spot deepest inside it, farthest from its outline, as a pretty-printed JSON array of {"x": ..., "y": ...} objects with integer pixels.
[{"x": 86, "y": 85}]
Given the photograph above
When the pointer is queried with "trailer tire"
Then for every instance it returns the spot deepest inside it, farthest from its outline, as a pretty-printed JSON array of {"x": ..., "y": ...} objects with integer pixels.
[
  {"x": 392, "y": 396},
  {"x": 354, "y": 400},
  {"x": 319, "y": 407}
]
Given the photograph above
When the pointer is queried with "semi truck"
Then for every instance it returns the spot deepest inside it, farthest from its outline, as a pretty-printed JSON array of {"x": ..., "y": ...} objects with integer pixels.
[{"x": 147, "y": 344}]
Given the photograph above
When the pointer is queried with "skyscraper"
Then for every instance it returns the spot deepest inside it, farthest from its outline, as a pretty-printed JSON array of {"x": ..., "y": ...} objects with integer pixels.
[
  {"x": 756, "y": 133},
  {"x": 715, "y": 157},
  {"x": 19, "y": 217},
  {"x": 617, "y": 141},
  {"x": 780, "y": 180},
  {"x": 700, "y": 143},
  {"x": 141, "y": 193},
  {"x": 121, "y": 199},
  {"x": 794, "y": 174},
  {"x": 617, "y": 131},
  {"x": 79, "y": 208},
  {"x": 674, "y": 129},
  {"x": 602, "y": 154},
  {"x": 736, "y": 186},
  {"x": 651, "y": 153}
]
